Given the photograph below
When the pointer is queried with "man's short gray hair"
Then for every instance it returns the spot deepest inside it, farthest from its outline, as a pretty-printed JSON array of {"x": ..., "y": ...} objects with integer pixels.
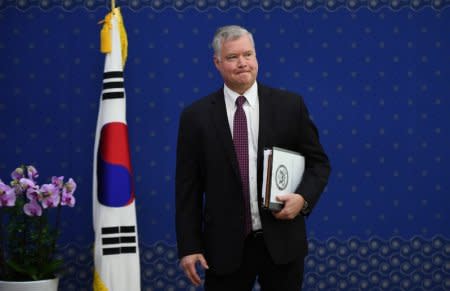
[{"x": 229, "y": 32}]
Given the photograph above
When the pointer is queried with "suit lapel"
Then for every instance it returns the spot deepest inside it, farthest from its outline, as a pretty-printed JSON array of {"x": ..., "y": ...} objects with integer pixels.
[
  {"x": 220, "y": 120},
  {"x": 265, "y": 128}
]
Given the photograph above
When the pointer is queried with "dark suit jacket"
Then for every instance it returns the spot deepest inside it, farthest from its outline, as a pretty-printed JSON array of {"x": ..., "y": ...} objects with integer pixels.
[{"x": 209, "y": 210}]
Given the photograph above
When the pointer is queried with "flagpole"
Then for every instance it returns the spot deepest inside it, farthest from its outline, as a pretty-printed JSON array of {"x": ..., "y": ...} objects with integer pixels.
[{"x": 113, "y": 5}]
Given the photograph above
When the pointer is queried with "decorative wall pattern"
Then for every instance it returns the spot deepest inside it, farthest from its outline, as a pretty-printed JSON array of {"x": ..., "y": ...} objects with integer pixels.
[
  {"x": 225, "y": 5},
  {"x": 374, "y": 78},
  {"x": 353, "y": 264}
]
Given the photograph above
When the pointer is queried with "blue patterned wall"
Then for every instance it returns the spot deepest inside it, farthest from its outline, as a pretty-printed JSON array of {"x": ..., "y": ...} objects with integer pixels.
[{"x": 375, "y": 75}]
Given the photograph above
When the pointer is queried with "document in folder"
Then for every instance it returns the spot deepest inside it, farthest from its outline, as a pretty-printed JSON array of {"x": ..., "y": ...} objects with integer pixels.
[{"x": 282, "y": 173}]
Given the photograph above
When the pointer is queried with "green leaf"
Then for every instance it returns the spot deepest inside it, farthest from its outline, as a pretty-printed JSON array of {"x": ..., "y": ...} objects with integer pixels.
[
  {"x": 17, "y": 267},
  {"x": 51, "y": 268},
  {"x": 45, "y": 271}
]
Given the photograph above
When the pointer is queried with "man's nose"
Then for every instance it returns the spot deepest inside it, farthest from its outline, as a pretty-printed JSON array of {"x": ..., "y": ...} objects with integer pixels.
[{"x": 241, "y": 61}]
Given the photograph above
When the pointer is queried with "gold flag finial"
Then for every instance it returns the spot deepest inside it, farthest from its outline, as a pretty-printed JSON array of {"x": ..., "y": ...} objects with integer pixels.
[{"x": 105, "y": 35}]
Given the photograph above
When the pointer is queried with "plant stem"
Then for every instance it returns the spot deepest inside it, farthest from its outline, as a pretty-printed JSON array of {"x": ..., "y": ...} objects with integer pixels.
[
  {"x": 57, "y": 222},
  {"x": 41, "y": 256},
  {"x": 24, "y": 235},
  {"x": 2, "y": 247}
]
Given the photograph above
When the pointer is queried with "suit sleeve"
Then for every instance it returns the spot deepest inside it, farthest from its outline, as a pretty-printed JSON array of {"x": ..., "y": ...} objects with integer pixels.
[
  {"x": 317, "y": 165},
  {"x": 188, "y": 187}
]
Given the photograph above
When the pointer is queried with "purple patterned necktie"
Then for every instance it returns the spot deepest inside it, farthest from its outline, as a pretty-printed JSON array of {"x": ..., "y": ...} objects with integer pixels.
[{"x": 240, "y": 140}]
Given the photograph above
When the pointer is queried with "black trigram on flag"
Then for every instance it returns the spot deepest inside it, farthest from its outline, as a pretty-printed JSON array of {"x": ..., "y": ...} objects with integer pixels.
[
  {"x": 113, "y": 85},
  {"x": 118, "y": 240}
]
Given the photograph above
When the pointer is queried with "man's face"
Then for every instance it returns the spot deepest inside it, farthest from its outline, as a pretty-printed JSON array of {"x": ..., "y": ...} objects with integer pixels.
[{"x": 237, "y": 64}]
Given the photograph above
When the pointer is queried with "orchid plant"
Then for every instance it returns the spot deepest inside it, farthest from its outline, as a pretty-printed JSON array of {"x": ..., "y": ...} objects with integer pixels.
[{"x": 27, "y": 238}]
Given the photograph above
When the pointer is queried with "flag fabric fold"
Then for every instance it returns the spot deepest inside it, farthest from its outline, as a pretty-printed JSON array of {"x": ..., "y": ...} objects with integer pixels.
[{"x": 116, "y": 251}]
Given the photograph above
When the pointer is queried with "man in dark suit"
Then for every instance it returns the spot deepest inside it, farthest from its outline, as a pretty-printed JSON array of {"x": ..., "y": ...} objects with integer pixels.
[{"x": 220, "y": 224}]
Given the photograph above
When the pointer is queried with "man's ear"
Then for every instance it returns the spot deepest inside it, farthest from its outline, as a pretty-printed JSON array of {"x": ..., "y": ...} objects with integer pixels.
[{"x": 216, "y": 61}]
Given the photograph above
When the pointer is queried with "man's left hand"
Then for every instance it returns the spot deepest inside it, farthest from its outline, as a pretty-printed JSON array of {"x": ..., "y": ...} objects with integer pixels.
[{"x": 293, "y": 204}]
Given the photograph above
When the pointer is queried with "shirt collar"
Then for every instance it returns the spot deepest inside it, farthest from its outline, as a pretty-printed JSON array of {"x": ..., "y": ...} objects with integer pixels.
[{"x": 251, "y": 94}]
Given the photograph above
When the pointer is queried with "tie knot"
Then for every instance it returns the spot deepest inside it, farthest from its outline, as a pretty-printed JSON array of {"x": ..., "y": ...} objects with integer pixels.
[{"x": 240, "y": 101}]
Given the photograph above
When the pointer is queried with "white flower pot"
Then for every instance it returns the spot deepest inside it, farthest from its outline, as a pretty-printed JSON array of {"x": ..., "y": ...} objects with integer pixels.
[{"x": 40, "y": 285}]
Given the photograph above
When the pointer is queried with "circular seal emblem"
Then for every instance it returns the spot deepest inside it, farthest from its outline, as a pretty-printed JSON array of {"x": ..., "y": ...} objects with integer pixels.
[{"x": 281, "y": 177}]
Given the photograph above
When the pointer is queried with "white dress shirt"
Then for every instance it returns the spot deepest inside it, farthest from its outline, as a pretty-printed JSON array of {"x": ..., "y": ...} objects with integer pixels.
[{"x": 251, "y": 108}]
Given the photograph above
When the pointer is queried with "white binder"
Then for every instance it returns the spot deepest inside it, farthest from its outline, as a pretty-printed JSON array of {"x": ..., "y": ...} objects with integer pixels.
[{"x": 282, "y": 173}]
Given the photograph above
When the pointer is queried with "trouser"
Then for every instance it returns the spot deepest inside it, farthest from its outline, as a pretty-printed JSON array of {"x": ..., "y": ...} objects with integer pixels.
[{"x": 257, "y": 264}]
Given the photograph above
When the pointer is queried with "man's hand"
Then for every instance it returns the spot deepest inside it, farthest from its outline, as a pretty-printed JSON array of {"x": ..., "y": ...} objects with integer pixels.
[
  {"x": 188, "y": 264},
  {"x": 293, "y": 204}
]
